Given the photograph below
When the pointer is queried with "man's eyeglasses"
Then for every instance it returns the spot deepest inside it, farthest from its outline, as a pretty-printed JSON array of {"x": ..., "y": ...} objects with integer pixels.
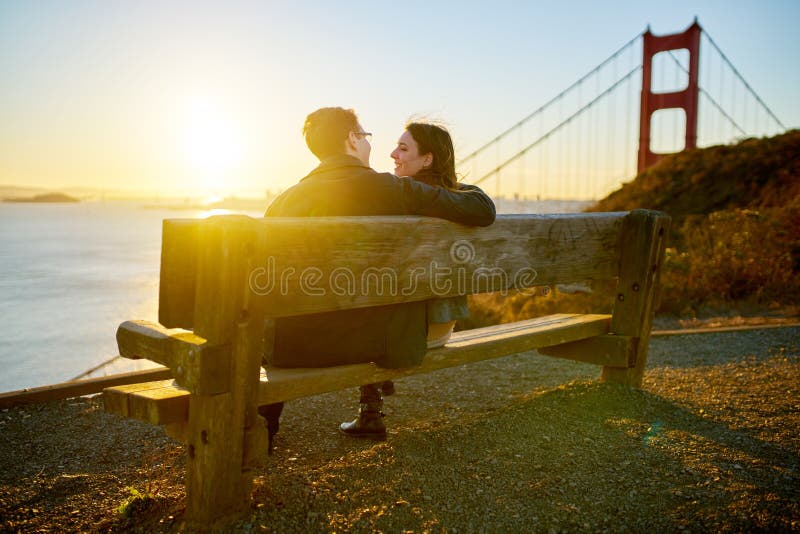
[{"x": 365, "y": 135}]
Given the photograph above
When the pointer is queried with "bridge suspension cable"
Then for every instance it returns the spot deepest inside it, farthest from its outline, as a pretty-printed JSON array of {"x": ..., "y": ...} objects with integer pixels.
[
  {"x": 557, "y": 127},
  {"x": 710, "y": 98},
  {"x": 550, "y": 102},
  {"x": 577, "y": 147},
  {"x": 741, "y": 78}
]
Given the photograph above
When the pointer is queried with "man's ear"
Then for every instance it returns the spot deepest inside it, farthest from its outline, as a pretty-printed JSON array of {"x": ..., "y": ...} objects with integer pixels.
[{"x": 351, "y": 144}]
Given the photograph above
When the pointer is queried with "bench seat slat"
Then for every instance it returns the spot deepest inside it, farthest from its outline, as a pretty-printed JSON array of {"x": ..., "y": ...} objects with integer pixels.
[
  {"x": 165, "y": 402},
  {"x": 117, "y": 399},
  {"x": 158, "y": 404},
  {"x": 464, "y": 347}
]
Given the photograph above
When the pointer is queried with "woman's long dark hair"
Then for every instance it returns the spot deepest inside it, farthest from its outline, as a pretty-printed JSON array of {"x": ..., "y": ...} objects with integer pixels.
[{"x": 435, "y": 139}]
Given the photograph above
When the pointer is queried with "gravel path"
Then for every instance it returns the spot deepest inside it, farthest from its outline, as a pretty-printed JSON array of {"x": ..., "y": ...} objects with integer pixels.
[{"x": 523, "y": 443}]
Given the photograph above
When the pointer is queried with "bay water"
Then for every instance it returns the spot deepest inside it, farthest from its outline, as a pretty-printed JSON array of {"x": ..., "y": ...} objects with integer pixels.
[{"x": 69, "y": 275}]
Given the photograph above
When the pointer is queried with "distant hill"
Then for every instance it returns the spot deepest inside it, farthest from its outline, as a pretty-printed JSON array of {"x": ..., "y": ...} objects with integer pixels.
[
  {"x": 45, "y": 197},
  {"x": 7, "y": 191},
  {"x": 752, "y": 174}
]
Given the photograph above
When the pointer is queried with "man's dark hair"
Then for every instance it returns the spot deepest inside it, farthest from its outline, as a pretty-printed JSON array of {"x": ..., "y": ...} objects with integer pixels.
[{"x": 327, "y": 129}]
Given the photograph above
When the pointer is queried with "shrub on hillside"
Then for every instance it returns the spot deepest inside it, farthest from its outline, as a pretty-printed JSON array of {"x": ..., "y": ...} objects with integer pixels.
[{"x": 734, "y": 255}]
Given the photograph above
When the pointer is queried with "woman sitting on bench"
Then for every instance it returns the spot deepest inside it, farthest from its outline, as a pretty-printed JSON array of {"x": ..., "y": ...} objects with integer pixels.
[{"x": 425, "y": 153}]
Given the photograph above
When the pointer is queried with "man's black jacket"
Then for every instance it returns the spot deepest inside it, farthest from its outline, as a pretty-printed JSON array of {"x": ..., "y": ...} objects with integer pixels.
[{"x": 391, "y": 336}]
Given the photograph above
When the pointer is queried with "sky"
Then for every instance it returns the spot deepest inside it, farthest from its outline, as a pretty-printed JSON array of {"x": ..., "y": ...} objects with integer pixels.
[{"x": 209, "y": 98}]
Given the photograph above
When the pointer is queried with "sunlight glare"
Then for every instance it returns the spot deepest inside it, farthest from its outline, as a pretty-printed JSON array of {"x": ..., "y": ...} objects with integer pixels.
[
  {"x": 213, "y": 146},
  {"x": 212, "y": 212}
]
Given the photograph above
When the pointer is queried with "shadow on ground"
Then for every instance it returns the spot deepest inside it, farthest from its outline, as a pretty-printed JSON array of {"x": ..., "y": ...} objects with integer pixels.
[{"x": 581, "y": 456}]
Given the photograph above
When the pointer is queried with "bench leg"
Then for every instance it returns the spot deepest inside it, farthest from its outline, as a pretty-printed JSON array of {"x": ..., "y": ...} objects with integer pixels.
[
  {"x": 214, "y": 485},
  {"x": 227, "y": 438},
  {"x": 628, "y": 376},
  {"x": 642, "y": 241}
]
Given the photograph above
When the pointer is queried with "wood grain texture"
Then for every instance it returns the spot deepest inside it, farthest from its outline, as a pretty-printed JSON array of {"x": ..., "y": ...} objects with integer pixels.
[
  {"x": 611, "y": 350},
  {"x": 196, "y": 365},
  {"x": 247, "y": 362},
  {"x": 326, "y": 263},
  {"x": 642, "y": 241},
  {"x": 142, "y": 407},
  {"x": 214, "y": 490},
  {"x": 116, "y": 398},
  {"x": 323, "y": 264},
  {"x": 216, "y": 487},
  {"x": 464, "y": 347},
  {"x": 222, "y": 273},
  {"x": 179, "y": 248},
  {"x": 78, "y": 388},
  {"x": 251, "y": 332},
  {"x": 319, "y": 264}
]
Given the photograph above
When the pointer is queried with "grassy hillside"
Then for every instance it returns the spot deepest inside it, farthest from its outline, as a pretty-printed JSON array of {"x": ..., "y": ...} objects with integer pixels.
[{"x": 754, "y": 174}]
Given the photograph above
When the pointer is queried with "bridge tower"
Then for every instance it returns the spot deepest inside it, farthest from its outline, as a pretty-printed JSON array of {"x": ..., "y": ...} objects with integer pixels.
[{"x": 685, "y": 99}]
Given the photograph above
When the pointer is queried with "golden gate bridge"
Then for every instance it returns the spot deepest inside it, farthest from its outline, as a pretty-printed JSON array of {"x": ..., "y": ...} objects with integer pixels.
[{"x": 653, "y": 96}]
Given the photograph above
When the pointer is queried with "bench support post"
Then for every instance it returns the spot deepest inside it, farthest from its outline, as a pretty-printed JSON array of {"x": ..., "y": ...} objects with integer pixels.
[
  {"x": 642, "y": 253},
  {"x": 224, "y": 431}
]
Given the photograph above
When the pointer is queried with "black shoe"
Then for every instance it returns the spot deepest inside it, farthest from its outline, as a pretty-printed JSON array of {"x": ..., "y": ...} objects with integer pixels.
[
  {"x": 366, "y": 425},
  {"x": 272, "y": 416},
  {"x": 387, "y": 387}
]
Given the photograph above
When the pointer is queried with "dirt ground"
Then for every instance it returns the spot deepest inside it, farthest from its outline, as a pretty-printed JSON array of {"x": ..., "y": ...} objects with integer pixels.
[{"x": 524, "y": 443}]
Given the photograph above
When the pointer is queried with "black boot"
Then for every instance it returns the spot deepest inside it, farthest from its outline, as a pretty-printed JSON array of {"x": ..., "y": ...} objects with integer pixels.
[
  {"x": 369, "y": 423},
  {"x": 272, "y": 414}
]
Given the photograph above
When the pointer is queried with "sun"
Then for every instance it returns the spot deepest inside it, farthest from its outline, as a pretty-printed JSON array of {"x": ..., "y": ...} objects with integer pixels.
[{"x": 212, "y": 144}]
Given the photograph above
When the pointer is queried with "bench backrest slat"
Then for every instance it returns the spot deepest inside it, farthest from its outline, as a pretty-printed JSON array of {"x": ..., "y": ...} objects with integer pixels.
[
  {"x": 310, "y": 265},
  {"x": 179, "y": 244}
]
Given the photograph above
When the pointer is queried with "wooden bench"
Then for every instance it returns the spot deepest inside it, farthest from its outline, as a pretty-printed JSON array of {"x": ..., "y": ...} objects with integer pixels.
[{"x": 224, "y": 281}]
